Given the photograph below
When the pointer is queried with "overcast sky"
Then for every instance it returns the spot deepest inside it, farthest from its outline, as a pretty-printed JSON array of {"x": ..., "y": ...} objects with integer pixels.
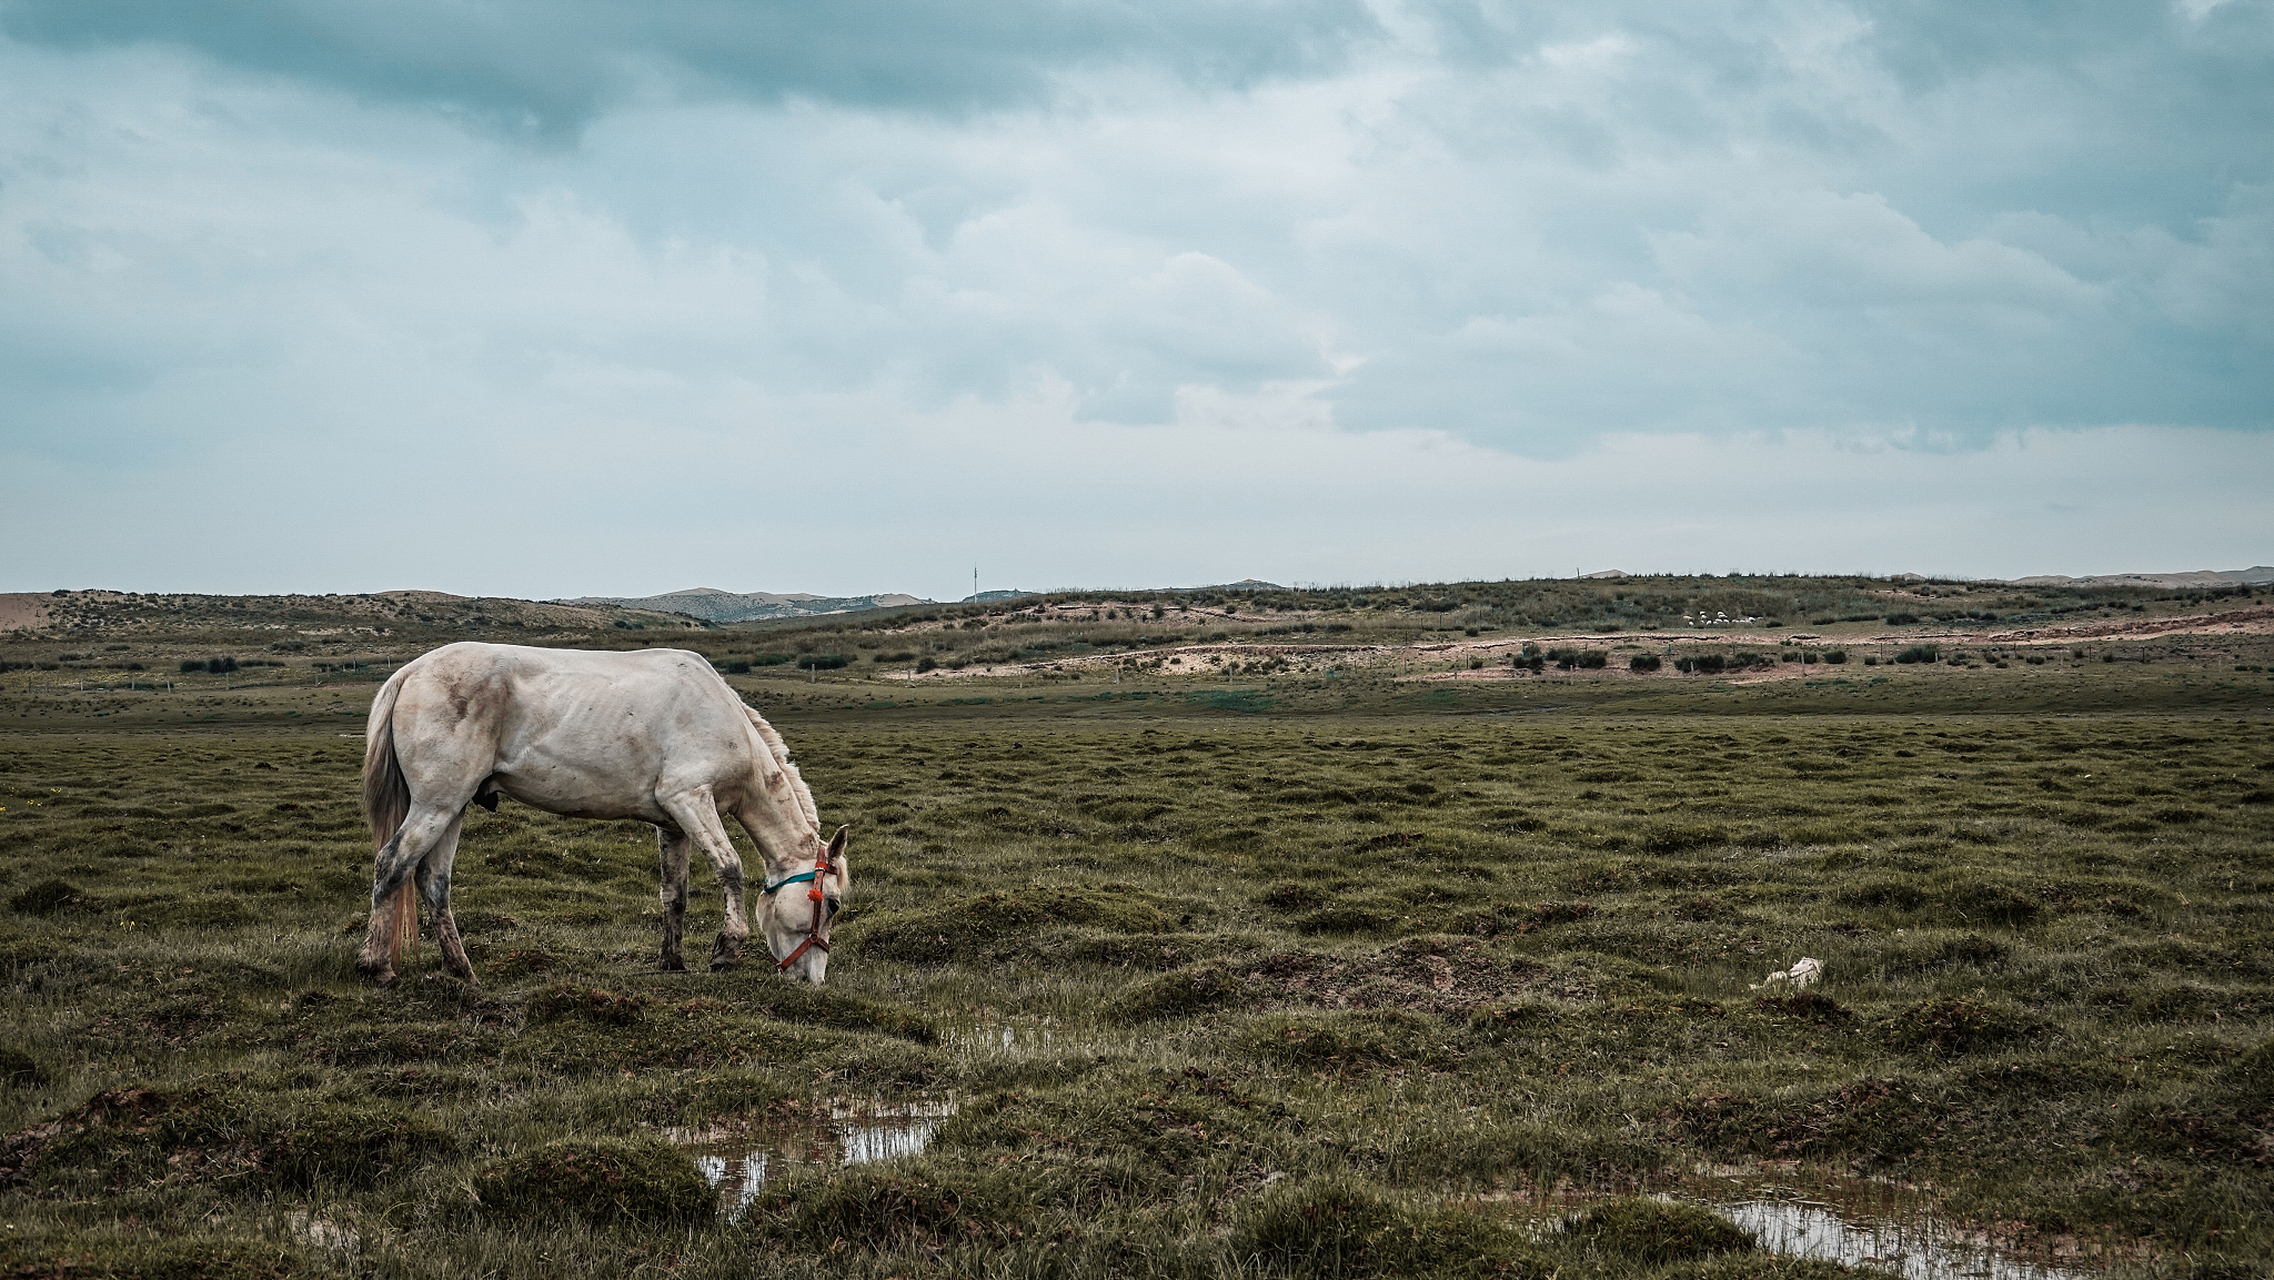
[{"x": 562, "y": 297}]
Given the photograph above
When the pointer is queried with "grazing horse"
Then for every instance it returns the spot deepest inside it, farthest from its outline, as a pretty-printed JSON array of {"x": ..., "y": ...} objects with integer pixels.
[{"x": 653, "y": 734}]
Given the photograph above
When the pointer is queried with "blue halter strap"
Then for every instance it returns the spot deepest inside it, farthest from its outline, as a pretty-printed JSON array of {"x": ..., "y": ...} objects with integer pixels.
[{"x": 787, "y": 881}]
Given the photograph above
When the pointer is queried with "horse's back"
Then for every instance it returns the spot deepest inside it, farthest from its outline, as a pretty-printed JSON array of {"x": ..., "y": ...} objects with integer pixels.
[{"x": 575, "y": 730}]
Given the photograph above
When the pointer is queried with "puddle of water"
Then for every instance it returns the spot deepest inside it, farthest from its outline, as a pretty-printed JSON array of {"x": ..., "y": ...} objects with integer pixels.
[
  {"x": 1864, "y": 1222},
  {"x": 1918, "y": 1249},
  {"x": 740, "y": 1158}
]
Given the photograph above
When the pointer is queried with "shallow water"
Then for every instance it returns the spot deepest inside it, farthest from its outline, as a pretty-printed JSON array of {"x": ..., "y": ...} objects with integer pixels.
[
  {"x": 1821, "y": 1215},
  {"x": 740, "y": 1159},
  {"x": 1919, "y": 1249}
]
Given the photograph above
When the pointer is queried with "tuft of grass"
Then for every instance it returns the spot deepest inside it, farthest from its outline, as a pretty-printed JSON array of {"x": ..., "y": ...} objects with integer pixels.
[
  {"x": 1655, "y": 1232},
  {"x": 1336, "y": 1226},
  {"x": 604, "y": 1182}
]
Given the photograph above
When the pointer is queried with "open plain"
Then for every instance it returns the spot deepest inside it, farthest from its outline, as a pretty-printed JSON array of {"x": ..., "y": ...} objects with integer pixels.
[{"x": 1235, "y": 933}]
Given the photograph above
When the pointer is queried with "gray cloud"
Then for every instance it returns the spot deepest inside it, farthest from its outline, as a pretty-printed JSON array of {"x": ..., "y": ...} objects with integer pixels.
[
  {"x": 1091, "y": 257},
  {"x": 548, "y": 65}
]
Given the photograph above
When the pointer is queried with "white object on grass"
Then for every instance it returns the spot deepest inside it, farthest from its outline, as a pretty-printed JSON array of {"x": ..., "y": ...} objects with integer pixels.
[{"x": 1804, "y": 972}]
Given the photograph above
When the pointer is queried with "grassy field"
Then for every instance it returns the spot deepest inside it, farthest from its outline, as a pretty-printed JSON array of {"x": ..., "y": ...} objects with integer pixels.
[{"x": 1310, "y": 968}]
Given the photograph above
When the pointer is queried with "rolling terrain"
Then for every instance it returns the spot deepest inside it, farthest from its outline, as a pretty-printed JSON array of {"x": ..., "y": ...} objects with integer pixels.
[{"x": 1259, "y": 932}]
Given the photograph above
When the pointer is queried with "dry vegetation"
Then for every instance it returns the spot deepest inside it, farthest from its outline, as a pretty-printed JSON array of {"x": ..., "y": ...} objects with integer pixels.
[{"x": 1308, "y": 967}]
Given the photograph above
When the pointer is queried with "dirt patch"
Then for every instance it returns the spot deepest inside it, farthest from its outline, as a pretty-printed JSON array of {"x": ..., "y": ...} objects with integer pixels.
[
  {"x": 22, "y": 610},
  {"x": 2259, "y": 621}
]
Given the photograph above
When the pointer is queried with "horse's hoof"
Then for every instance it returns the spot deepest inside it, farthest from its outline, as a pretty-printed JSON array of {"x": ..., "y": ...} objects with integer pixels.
[{"x": 381, "y": 973}]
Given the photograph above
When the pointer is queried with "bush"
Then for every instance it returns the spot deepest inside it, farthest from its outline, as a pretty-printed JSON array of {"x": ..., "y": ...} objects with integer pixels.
[
  {"x": 1919, "y": 653},
  {"x": 1835, "y": 655},
  {"x": 1901, "y": 619},
  {"x": 926, "y": 663},
  {"x": 736, "y": 668},
  {"x": 1643, "y": 662}
]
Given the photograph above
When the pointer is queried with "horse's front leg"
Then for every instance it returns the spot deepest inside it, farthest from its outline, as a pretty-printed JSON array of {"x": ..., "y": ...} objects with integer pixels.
[
  {"x": 671, "y": 850},
  {"x": 698, "y": 816}
]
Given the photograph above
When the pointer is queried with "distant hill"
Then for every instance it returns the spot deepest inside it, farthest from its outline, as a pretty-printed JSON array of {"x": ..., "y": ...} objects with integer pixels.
[
  {"x": 713, "y": 605},
  {"x": 2259, "y": 575}
]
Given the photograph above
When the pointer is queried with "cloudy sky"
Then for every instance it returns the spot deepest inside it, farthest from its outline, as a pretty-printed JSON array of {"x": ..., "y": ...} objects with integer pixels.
[{"x": 557, "y": 297}]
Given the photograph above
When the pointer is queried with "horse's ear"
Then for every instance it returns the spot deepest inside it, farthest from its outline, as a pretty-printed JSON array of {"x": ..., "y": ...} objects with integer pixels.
[{"x": 837, "y": 868}]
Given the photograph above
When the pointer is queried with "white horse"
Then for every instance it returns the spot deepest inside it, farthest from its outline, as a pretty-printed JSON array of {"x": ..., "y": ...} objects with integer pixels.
[{"x": 652, "y": 734}]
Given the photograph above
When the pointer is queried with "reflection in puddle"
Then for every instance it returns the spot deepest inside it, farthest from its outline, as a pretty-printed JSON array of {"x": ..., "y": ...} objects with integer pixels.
[
  {"x": 739, "y": 1159},
  {"x": 1920, "y": 1249},
  {"x": 1832, "y": 1217}
]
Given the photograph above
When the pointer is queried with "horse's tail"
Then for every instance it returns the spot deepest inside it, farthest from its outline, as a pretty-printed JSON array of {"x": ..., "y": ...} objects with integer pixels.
[{"x": 386, "y": 803}]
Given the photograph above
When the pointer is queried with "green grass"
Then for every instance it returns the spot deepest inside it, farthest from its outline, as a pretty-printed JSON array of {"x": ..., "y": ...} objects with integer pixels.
[{"x": 1270, "y": 977}]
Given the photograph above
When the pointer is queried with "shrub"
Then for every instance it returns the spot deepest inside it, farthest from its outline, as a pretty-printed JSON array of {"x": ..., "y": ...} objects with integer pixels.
[
  {"x": 1919, "y": 653},
  {"x": 1643, "y": 662},
  {"x": 1901, "y": 619},
  {"x": 1835, "y": 655},
  {"x": 737, "y": 668}
]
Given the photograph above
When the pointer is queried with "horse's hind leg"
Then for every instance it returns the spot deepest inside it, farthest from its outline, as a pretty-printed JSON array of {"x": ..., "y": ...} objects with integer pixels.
[
  {"x": 672, "y": 847},
  {"x": 434, "y": 883},
  {"x": 396, "y": 863}
]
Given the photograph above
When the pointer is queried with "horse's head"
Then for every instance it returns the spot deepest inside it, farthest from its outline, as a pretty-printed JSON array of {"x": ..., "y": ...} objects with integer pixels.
[{"x": 795, "y": 913}]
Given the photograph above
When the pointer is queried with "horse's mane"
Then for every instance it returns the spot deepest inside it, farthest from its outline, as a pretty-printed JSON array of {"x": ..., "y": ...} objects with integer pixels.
[{"x": 781, "y": 752}]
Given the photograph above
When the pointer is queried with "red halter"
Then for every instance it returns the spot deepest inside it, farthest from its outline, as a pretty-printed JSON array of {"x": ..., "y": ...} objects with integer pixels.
[{"x": 813, "y": 938}]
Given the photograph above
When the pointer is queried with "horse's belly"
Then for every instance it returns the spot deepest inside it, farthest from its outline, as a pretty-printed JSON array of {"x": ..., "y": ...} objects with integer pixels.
[{"x": 576, "y": 795}]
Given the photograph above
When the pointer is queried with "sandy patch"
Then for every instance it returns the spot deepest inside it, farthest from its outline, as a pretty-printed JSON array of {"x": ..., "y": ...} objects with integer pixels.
[
  {"x": 23, "y": 609},
  {"x": 2234, "y": 622}
]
